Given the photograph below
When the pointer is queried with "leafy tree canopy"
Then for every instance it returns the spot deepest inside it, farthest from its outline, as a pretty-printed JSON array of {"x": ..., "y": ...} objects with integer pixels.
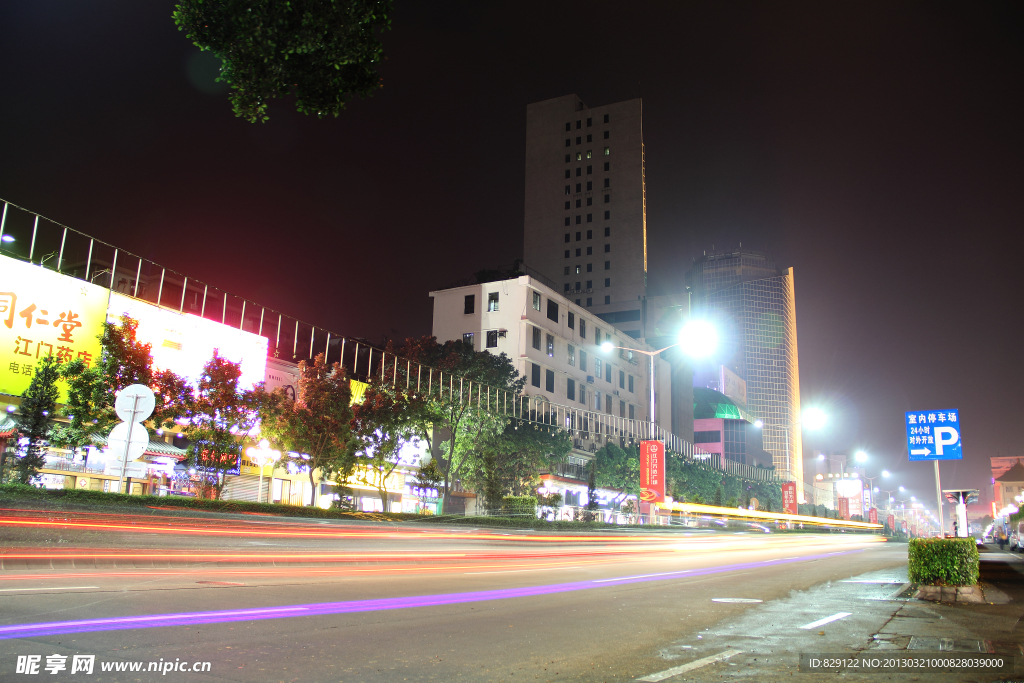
[
  {"x": 324, "y": 52},
  {"x": 36, "y": 414}
]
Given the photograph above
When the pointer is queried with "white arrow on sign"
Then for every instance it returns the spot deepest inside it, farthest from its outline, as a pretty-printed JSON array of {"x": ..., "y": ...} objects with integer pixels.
[{"x": 920, "y": 451}]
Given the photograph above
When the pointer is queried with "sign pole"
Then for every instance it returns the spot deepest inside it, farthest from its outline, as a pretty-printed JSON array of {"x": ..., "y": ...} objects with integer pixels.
[
  {"x": 128, "y": 442},
  {"x": 938, "y": 495}
]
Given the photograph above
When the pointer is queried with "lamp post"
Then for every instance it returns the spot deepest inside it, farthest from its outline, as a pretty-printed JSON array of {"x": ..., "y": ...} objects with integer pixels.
[
  {"x": 698, "y": 339},
  {"x": 262, "y": 456},
  {"x": 871, "y": 483}
]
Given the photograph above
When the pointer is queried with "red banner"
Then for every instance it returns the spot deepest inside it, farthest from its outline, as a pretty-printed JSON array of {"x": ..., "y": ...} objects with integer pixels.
[
  {"x": 652, "y": 471},
  {"x": 844, "y": 508},
  {"x": 789, "y": 505},
  {"x": 892, "y": 522},
  {"x": 873, "y": 515}
]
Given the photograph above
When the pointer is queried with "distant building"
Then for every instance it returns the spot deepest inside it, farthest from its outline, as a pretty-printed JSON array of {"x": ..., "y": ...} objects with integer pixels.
[
  {"x": 752, "y": 302},
  {"x": 721, "y": 425},
  {"x": 1008, "y": 485},
  {"x": 585, "y": 210}
]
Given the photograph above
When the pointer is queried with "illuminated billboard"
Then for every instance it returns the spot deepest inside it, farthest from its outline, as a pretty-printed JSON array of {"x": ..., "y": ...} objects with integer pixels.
[
  {"x": 853, "y": 490},
  {"x": 183, "y": 343},
  {"x": 44, "y": 313}
]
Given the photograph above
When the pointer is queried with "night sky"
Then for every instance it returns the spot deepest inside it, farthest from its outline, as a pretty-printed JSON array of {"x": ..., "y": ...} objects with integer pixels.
[{"x": 878, "y": 152}]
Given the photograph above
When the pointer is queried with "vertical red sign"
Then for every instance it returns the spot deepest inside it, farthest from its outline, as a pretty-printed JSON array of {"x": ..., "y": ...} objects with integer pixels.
[
  {"x": 892, "y": 522},
  {"x": 873, "y": 515},
  {"x": 789, "y": 505},
  {"x": 652, "y": 471},
  {"x": 844, "y": 508}
]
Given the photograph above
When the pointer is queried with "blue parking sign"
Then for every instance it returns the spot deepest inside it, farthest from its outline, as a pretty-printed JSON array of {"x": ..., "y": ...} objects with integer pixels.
[{"x": 934, "y": 435}]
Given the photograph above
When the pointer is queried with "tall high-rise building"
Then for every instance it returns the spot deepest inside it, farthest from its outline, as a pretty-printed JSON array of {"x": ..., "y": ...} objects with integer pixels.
[
  {"x": 753, "y": 304},
  {"x": 585, "y": 214}
]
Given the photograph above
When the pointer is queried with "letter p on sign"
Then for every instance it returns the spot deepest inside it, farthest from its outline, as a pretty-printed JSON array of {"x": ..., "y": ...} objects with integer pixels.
[{"x": 944, "y": 436}]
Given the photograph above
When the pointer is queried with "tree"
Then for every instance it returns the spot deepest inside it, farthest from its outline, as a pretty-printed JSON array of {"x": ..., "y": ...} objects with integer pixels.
[
  {"x": 36, "y": 416},
  {"x": 317, "y": 425},
  {"x": 451, "y": 411},
  {"x": 385, "y": 421},
  {"x": 219, "y": 415},
  {"x": 323, "y": 52},
  {"x": 619, "y": 469}
]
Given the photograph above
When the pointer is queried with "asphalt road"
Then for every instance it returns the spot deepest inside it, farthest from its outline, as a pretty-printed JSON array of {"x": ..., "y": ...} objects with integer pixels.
[{"x": 265, "y": 599}]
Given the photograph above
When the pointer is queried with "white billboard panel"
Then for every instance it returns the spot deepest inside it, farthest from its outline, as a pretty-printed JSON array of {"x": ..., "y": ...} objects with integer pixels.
[{"x": 183, "y": 343}]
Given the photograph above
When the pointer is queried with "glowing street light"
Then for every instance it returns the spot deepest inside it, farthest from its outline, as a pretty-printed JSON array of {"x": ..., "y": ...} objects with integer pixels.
[
  {"x": 815, "y": 418},
  {"x": 861, "y": 456},
  {"x": 263, "y": 456}
]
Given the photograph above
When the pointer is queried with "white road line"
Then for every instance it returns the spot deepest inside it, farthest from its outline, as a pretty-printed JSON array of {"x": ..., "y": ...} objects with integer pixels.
[
  {"x": 53, "y": 588},
  {"x": 640, "y": 576},
  {"x": 515, "y": 571},
  {"x": 696, "y": 664},
  {"x": 821, "y": 622}
]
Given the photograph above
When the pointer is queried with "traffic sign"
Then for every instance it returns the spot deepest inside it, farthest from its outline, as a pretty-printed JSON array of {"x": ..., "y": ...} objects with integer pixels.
[
  {"x": 934, "y": 435},
  {"x": 136, "y": 446},
  {"x": 135, "y": 403}
]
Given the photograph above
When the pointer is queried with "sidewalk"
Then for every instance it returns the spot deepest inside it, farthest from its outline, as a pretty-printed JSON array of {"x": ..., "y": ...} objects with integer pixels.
[{"x": 862, "y": 614}]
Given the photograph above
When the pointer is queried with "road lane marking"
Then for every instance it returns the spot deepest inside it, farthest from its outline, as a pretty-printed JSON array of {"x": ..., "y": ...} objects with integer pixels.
[
  {"x": 516, "y": 571},
  {"x": 53, "y": 588},
  {"x": 827, "y": 620},
  {"x": 696, "y": 664}
]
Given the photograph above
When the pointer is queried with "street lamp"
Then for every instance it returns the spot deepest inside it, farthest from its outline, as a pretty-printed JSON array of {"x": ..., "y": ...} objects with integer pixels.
[
  {"x": 815, "y": 418},
  {"x": 698, "y": 339},
  {"x": 263, "y": 456}
]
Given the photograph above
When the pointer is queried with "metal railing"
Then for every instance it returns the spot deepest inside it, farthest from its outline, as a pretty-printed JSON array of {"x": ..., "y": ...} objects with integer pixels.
[{"x": 75, "y": 254}]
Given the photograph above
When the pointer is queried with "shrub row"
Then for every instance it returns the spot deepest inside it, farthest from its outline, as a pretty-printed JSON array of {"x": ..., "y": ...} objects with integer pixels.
[{"x": 944, "y": 561}]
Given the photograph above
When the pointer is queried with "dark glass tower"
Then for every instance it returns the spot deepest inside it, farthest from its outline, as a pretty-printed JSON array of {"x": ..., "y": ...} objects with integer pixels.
[{"x": 752, "y": 303}]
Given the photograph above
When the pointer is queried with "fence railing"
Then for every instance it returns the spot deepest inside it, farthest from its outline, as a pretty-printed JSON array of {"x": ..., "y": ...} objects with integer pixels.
[{"x": 48, "y": 244}]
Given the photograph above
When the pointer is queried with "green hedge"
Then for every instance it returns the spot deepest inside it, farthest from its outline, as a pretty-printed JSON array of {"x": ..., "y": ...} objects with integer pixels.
[
  {"x": 56, "y": 497},
  {"x": 519, "y": 505},
  {"x": 945, "y": 561}
]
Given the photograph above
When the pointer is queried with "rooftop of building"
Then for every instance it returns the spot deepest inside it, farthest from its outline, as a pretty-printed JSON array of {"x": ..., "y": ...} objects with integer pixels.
[
  {"x": 1014, "y": 474},
  {"x": 709, "y": 404}
]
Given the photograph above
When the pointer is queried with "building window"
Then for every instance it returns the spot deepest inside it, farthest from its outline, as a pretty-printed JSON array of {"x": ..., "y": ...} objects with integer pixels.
[
  {"x": 589, "y": 154},
  {"x": 607, "y": 166},
  {"x": 590, "y": 169},
  {"x": 536, "y": 338},
  {"x": 469, "y": 306},
  {"x": 578, "y": 220},
  {"x": 492, "y": 339},
  {"x": 597, "y": 400},
  {"x": 567, "y": 237},
  {"x": 707, "y": 437},
  {"x": 566, "y": 221},
  {"x": 568, "y": 189},
  {"x": 607, "y": 150},
  {"x": 577, "y": 125},
  {"x": 578, "y": 252},
  {"x": 567, "y": 158},
  {"x": 536, "y": 301},
  {"x": 590, "y": 234},
  {"x": 607, "y": 248},
  {"x": 579, "y": 171},
  {"x": 551, "y": 346},
  {"x": 608, "y": 404},
  {"x": 570, "y": 389},
  {"x": 579, "y": 203},
  {"x": 567, "y": 205},
  {"x": 577, "y": 269},
  {"x": 549, "y": 380},
  {"x": 608, "y": 372},
  {"x": 568, "y": 173},
  {"x": 590, "y": 301},
  {"x": 571, "y": 355},
  {"x": 467, "y": 338},
  {"x": 579, "y": 236},
  {"x": 607, "y": 198},
  {"x": 607, "y": 264},
  {"x": 607, "y": 215},
  {"x": 622, "y": 409},
  {"x": 606, "y": 135},
  {"x": 590, "y": 185},
  {"x": 590, "y": 201},
  {"x": 632, "y": 412},
  {"x": 631, "y": 383},
  {"x": 583, "y": 355},
  {"x": 607, "y": 182},
  {"x": 535, "y": 375},
  {"x": 568, "y": 142},
  {"x": 579, "y": 140},
  {"x": 607, "y": 299},
  {"x": 590, "y": 138},
  {"x": 577, "y": 289},
  {"x": 583, "y": 393},
  {"x": 590, "y": 218},
  {"x": 566, "y": 253},
  {"x": 608, "y": 231},
  {"x": 568, "y": 126},
  {"x": 579, "y": 187},
  {"x": 590, "y": 283},
  {"x": 607, "y": 282},
  {"x": 583, "y": 328},
  {"x": 571, "y": 319},
  {"x": 590, "y": 251},
  {"x": 492, "y": 302},
  {"x": 577, "y": 302},
  {"x": 597, "y": 337},
  {"x": 567, "y": 288},
  {"x": 597, "y": 367},
  {"x": 606, "y": 118},
  {"x": 588, "y": 123},
  {"x": 622, "y": 380}
]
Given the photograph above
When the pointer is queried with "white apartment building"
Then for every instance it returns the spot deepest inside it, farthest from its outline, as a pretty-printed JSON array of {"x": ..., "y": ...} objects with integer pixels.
[{"x": 555, "y": 344}]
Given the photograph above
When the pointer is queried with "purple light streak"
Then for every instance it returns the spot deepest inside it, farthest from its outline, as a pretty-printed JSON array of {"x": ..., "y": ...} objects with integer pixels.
[{"x": 353, "y": 606}]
